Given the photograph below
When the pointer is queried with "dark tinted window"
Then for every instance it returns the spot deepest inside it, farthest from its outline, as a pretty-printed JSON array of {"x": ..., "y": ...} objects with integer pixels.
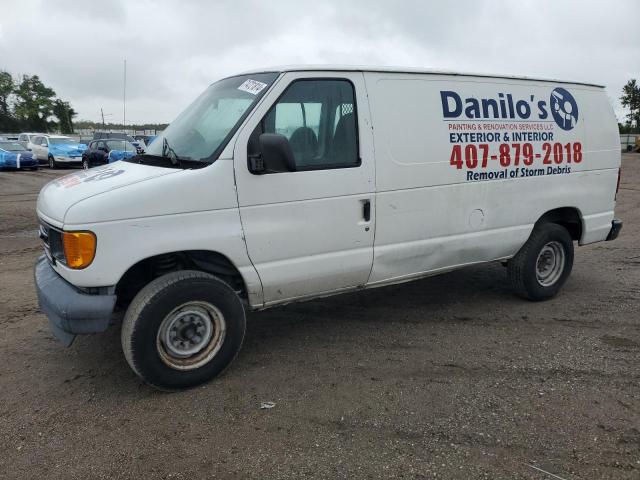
[{"x": 318, "y": 117}]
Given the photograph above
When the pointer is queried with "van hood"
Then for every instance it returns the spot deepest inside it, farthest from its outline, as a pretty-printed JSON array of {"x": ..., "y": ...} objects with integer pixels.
[{"x": 58, "y": 196}]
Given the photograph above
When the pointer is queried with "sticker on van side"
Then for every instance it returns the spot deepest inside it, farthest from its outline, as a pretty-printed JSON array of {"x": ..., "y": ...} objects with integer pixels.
[
  {"x": 510, "y": 137},
  {"x": 253, "y": 87}
]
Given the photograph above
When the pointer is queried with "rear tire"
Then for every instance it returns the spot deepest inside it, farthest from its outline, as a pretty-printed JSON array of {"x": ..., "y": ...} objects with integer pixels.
[
  {"x": 543, "y": 264},
  {"x": 52, "y": 162},
  {"x": 183, "y": 329}
]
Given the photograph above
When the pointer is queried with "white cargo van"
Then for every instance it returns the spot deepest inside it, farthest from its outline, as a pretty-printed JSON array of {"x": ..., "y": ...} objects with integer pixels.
[{"x": 281, "y": 185}]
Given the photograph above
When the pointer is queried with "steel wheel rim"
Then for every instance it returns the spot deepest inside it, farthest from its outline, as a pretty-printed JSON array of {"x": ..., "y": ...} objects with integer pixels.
[
  {"x": 191, "y": 335},
  {"x": 85, "y": 165},
  {"x": 550, "y": 263}
]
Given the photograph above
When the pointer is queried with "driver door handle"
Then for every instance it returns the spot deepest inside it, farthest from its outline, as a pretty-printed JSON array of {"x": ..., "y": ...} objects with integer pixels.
[{"x": 366, "y": 210}]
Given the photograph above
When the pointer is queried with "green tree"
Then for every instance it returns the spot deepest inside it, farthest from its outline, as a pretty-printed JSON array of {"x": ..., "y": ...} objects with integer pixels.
[
  {"x": 64, "y": 113},
  {"x": 631, "y": 99},
  {"x": 34, "y": 103},
  {"x": 6, "y": 90}
]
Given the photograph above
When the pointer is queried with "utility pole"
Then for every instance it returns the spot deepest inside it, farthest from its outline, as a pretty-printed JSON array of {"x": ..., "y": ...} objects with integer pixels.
[
  {"x": 124, "y": 99},
  {"x": 104, "y": 115}
]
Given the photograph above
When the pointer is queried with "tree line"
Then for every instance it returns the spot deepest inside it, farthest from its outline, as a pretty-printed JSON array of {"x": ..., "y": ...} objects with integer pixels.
[
  {"x": 87, "y": 124},
  {"x": 29, "y": 105}
]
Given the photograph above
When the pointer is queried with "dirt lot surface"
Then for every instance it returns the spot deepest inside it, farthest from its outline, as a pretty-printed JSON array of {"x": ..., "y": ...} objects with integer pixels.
[{"x": 448, "y": 377}]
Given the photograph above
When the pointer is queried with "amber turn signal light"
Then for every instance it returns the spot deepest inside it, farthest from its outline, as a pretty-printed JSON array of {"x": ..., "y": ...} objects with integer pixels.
[{"x": 79, "y": 248}]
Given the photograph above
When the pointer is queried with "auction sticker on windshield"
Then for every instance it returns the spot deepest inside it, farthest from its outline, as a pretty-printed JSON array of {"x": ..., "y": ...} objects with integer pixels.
[{"x": 253, "y": 87}]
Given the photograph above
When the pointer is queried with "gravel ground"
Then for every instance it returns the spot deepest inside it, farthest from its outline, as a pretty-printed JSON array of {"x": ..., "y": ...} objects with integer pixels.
[{"x": 448, "y": 377}]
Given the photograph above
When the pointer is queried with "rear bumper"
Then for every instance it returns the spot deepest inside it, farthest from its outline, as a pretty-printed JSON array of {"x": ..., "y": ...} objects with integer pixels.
[
  {"x": 616, "y": 226},
  {"x": 70, "y": 311}
]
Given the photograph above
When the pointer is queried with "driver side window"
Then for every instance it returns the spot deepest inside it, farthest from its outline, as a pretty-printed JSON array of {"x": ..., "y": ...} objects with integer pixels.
[{"x": 318, "y": 118}]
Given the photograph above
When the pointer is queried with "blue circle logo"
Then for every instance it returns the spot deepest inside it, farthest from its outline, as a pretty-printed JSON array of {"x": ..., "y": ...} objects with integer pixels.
[{"x": 564, "y": 109}]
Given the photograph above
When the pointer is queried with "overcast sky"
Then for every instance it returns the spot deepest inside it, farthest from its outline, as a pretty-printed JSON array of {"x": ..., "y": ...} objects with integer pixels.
[{"x": 174, "y": 49}]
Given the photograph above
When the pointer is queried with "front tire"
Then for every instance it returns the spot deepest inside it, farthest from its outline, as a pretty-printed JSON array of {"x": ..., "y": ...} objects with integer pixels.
[
  {"x": 52, "y": 162},
  {"x": 183, "y": 329},
  {"x": 543, "y": 264},
  {"x": 85, "y": 164}
]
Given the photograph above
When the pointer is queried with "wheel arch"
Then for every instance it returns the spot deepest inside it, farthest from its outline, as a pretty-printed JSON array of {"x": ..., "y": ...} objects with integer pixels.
[
  {"x": 148, "y": 269},
  {"x": 567, "y": 217}
]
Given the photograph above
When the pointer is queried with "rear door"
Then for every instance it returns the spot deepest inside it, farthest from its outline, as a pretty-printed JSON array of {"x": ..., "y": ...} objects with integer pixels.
[
  {"x": 44, "y": 143},
  {"x": 102, "y": 152},
  {"x": 310, "y": 231}
]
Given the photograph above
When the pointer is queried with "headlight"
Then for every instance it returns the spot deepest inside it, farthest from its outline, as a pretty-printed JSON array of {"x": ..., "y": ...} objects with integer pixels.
[{"x": 79, "y": 248}]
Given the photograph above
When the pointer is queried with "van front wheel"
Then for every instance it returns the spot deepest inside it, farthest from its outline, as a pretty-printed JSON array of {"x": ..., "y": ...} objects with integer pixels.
[
  {"x": 183, "y": 329},
  {"x": 543, "y": 263}
]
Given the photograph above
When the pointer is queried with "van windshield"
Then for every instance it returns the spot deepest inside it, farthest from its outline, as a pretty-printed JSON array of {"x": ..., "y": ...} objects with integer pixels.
[{"x": 202, "y": 131}]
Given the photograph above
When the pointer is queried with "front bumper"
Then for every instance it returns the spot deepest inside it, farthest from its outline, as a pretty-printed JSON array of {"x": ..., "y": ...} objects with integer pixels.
[
  {"x": 70, "y": 311},
  {"x": 68, "y": 159},
  {"x": 22, "y": 163},
  {"x": 616, "y": 226}
]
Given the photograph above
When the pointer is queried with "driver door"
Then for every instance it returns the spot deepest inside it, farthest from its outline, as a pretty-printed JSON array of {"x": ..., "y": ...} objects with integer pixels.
[{"x": 310, "y": 231}]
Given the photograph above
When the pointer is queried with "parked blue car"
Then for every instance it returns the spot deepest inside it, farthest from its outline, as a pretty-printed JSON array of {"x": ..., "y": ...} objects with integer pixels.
[{"x": 14, "y": 155}]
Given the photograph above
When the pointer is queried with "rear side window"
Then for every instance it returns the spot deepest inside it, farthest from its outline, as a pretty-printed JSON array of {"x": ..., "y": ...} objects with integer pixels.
[{"x": 318, "y": 117}]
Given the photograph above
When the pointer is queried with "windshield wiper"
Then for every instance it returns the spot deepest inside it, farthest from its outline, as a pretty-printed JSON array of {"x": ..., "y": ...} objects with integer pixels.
[
  {"x": 169, "y": 152},
  {"x": 161, "y": 160}
]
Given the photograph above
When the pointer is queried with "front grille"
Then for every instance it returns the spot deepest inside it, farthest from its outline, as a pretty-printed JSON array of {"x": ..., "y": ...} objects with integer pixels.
[
  {"x": 43, "y": 233},
  {"x": 52, "y": 241}
]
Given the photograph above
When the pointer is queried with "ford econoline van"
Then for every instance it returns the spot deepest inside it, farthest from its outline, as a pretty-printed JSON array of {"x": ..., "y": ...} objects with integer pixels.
[{"x": 285, "y": 184}]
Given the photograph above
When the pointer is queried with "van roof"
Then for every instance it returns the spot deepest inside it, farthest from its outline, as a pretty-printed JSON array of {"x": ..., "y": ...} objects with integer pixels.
[{"x": 391, "y": 69}]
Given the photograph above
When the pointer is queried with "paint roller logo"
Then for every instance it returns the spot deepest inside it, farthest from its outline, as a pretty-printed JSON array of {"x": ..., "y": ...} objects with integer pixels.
[{"x": 564, "y": 109}]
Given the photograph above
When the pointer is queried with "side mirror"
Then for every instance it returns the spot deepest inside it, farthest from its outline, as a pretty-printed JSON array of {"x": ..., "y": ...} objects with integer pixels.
[{"x": 275, "y": 155}]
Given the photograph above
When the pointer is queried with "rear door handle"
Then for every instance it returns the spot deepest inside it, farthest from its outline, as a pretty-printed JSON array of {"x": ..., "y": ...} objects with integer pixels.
[{"x": 366, "y": 210}]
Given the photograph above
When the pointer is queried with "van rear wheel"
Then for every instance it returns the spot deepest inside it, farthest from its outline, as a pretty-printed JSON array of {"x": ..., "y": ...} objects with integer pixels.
[
  {"x": 543, "y": 264},
  {"x": 183, "y": 329}
]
